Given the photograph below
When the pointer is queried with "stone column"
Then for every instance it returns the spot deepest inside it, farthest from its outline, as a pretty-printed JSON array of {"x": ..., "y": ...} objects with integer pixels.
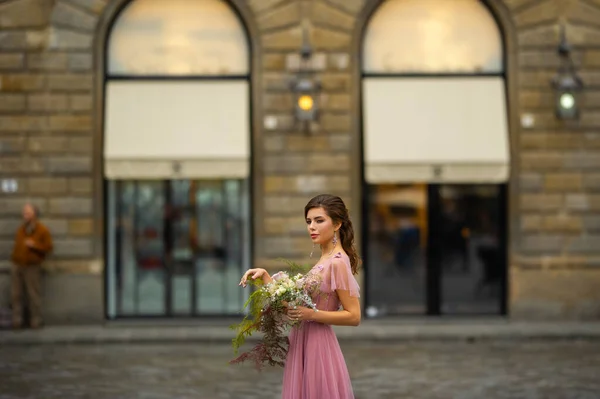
[{"x": 294, "y": 165}]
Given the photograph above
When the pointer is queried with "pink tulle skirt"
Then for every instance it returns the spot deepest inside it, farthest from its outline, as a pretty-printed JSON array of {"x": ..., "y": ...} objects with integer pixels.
[{"x": 315, "y": 367}]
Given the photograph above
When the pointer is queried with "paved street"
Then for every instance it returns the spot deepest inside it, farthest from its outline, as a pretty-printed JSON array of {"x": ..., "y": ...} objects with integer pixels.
[{"x": 540, "y": 369}]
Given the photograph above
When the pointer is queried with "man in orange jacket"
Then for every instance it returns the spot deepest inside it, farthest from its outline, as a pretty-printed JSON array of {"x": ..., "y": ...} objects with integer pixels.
[{"x": 33, "y": 243}]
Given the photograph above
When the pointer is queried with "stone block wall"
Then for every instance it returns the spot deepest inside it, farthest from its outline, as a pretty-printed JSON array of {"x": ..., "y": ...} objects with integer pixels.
[
  {"x": 50, "y": 136},
  {"x": 555, "y": 236},
  {"x": 295, "y": 165},
  {"x": 46, "y": 133}
]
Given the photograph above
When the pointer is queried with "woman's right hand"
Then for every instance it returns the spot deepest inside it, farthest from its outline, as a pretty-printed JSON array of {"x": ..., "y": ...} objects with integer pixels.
[{"x": 254, "y": 274}]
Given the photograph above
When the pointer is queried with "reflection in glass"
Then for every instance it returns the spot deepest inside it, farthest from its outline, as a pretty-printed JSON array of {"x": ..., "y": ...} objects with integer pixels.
[
  {"x": 181, "y": 247},
  {"x": 437, "y": 245},
  {"x": 211, "y": 267},
  {"x": 432, "y": 36},
  {"x": 141, "y": 248},
  {"x": 472, "y": 263},
  {"x": 178, "y": 37},
  {"x": 396, "y": 253}
]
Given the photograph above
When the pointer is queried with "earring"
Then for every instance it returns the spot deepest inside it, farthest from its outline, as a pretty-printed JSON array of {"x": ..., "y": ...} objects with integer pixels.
[
  {"x": 312, "y": 251},
  {"x": 334, "y": 242}
]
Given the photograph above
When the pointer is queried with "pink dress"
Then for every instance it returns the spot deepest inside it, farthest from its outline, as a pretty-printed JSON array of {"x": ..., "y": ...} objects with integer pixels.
[{"x": 315, "y": 367}]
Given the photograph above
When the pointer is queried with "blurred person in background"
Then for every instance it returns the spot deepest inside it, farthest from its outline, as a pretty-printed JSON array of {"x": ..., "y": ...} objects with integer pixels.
[{"x": 33, "y": 243}]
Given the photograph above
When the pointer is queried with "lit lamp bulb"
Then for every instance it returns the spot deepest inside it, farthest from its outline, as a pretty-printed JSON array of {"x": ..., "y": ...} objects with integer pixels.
[
  {"x": 305, "y": 102},
  {"x": 567, "y": 101}
]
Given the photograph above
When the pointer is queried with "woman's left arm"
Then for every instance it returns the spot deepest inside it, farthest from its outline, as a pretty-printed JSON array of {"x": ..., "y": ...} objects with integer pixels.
[
  {"x": 339, "y": 277},
  {"x": 349, "y": 316}
]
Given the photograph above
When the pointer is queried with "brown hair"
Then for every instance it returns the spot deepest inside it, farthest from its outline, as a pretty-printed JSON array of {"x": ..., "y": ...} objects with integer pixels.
[{"x": 337, "y": 211}]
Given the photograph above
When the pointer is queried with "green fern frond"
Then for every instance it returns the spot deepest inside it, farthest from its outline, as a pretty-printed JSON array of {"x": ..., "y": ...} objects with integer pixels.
[
  {"x": 263, "y": 316},
  {"x": 251, "y": 322}
]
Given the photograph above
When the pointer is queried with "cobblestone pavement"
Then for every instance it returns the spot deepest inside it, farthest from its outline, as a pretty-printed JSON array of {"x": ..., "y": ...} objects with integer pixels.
[{"x": 540, "y": 370}]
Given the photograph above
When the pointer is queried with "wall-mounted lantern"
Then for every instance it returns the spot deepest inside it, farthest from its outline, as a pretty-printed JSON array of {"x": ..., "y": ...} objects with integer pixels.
[
  {"x": 306, "y": 87},
  {"x": 567, "y": 84}
]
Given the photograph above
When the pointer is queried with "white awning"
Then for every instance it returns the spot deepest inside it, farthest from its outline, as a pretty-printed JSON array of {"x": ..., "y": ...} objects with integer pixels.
[
  {"x": 435, "y": 130},
  {"x": 177, "y": 129}
]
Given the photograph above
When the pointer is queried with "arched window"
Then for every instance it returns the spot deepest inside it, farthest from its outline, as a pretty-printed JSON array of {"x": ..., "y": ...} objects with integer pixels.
[
  {"x": 436, "y": 155},
  {"x": 177, "y": 157},
  {"x": 432, "y": 36},
  {"x": 187, "y": 38}
]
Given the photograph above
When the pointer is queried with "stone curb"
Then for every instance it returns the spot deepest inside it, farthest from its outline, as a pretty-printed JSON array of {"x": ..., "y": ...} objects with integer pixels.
[{"x": 368, "y": 332}]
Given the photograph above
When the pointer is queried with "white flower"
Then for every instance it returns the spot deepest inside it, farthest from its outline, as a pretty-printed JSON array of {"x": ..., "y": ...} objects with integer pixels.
[{"x": 279, "y": 276}]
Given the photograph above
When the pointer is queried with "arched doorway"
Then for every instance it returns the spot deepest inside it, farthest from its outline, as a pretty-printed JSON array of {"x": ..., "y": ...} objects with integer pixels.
[
  {"x": 176, "y": 159},
  {"x": 436, "y": 159}
]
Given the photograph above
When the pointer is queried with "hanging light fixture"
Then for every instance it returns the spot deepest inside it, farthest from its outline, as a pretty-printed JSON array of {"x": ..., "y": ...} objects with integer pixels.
[
  {"x": 567, "y": 84},
  {"x": 305, "y": 86}
]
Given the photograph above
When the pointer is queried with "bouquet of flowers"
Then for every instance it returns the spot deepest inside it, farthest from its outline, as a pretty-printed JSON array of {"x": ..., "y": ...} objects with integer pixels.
[{"x": 268, "y": 304}]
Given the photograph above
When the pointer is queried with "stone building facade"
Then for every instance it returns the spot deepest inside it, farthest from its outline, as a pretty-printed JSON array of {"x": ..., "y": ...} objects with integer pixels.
[{"x": 51, "y": 141}]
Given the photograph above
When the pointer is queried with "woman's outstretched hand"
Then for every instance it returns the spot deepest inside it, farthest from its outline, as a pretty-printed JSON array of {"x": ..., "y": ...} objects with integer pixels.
[{"x": 254, "y": 274}]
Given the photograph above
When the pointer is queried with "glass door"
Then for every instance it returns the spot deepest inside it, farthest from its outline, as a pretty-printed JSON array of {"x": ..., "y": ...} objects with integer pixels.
[
  {"x": 221, "y": 238},
  {"x": 435, "y": 249},
  {"x": 396, "y": 253},
  {"x": 468, "y": 248},
  {"x": 141, "y": 250},
  {"x": 176, "y": 247}
]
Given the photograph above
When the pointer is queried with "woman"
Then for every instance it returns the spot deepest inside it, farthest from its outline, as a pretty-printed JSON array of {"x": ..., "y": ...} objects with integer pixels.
[{"x": 315, "y": 367}]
